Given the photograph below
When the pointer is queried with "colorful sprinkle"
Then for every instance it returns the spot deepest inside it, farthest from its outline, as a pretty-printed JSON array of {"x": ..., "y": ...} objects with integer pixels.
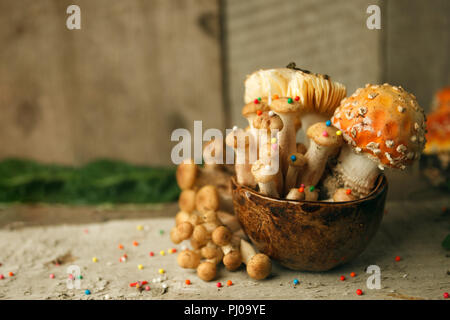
[
  {"x": 293, "y": 158},
  {"x": 94, "y": 259},
  {"x": 147, "y": 288},
  {"x": 325, "y": 134},
  {"x": 275, "y": 97},
  {"x": 2, "y": 277},
  {"x": 140, "y": 228},
  {"x": 235, "y": 128},
  {"x": 445, "y": 295},
  {"x": 140, "y": 267},
  {"x": 352, "y": 274},
  {"x": 397, "y": 258},
  {"x": 229, "y": 283},
  {"x": 273, "y": 140},
  {"x": 218, "y": 284},
  {"x": 80, "y": 277},
  {"x": 359, "y": 292},
  {"x": 11, "y": 274},
  {"x": 258, "y": 112},
  {"x": 301, "y": 189},
  {"x": 259, "y": 98},
  {"x": 161, "y": 232},
  {"x": 295, "y": 282},
  {"x": 311, "y": 189},
  {"x": 161, "y": 271},
  {"x": 328, "y": 123},
  {"x": 297, "y": 98},
  {"x": 338, "y": 133},
  {"x": 151, "y": 254},
  {"x": 290, "y": 101},
  {"x": 348, "y": 191},
  {"x": 274, "y": 146},
  {"x": 256, "y": 101},
  {"x": 162, "y": 253},
  {"x": 135, "y": 243},
  {"x": 52, "y": 276},
  {"x": 133, "y": 284},
  {"x": 342, "y": 278},
  {"x": 121, "y": 246},
  {"x": 87, "y": 292},
  {"x": 71, "y": 276},
  {"x": 187, "y": 281}
]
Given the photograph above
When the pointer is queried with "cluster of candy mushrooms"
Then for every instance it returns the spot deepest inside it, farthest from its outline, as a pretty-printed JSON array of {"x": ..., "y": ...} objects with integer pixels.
[
  {"x": 214, "y": 234},
  {"x": 349, "y": 140}
]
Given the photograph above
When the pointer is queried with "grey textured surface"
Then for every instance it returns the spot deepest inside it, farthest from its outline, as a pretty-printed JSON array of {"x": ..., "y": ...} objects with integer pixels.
[{"x": 32, "y": 238}]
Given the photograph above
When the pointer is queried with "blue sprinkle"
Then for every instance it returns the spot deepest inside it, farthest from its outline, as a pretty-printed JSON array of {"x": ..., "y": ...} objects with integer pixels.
[
  {"x": 88, "y": 292},
  {"x": 296, "y": 281},
  {"x": 328, "y": 123},
  {"x": 293, "y": 158}
]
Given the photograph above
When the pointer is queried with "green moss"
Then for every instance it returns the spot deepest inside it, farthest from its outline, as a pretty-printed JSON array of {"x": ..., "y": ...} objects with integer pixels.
[{"x": 102, "y": 181}]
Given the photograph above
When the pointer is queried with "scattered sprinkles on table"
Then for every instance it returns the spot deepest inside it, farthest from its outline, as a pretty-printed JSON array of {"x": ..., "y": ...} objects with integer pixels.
[
  {"x": 342, "y": 278},
  {"x": 397, "y": 258},
  {"x": 219, "y": 285},
  {"x": 187, "y": 281},
  {"x": 162, "y": 252},
  {"x": 52, "y": 276},
  {"x": 140, "y": 267},
  {"x": 151, "y": 254},
  {"x": 359, "y": 292},
  {"x": 229, "y": 283},
  {"x": 295, "y": 282},
  {"x": 135, "y": 243},
  {"x": 161, "y": 271},
  {"x": 94, "y": 259},
  {"x": 87, "y": 292},
  {"x": 352, "y": 274}
]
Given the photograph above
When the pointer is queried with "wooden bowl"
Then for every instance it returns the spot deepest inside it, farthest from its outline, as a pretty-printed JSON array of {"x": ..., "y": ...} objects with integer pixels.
[{"x": 309, "y": 235}]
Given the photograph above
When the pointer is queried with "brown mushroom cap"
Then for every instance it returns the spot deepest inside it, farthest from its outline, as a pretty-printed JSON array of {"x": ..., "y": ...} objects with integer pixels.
[
  {"x": 207, "y": 199},
  {"x": 383, "y": 121},
  {"x": 324, "y": 135},
  {"x": 185, "y": 230},
  {"x": 282, "y": 106},
  {"x": 175, "y": 236},
  {"x": 251, "y": 108},
  {"x": 297, "y": 160},
  {"x": 261, "y": 174},
  {"x": 200, "y": 234},
  {"x": 207, "y": 271},
  {"x": 267, "y": 122},
  {"x": 186, "y": 174},
  {"x": 195, "y": 219},
  {"x": 210, "y": 217},
  {"x": 232, "y": 260},
  {"x": 181, "y": 217},
  {"x": 188, "y": 259},
  {"x": 221, "y": 236},
  {"x": 186, "y": 201},
  {"x": 259, "y": 266},
  {"x": 342, "y": 194}
]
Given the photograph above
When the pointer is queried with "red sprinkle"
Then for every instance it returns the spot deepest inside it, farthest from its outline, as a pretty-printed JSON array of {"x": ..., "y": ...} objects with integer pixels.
[
  {"x": 258, "y": 112},
  {"x": 446, "y": 295},
  {"x": 348, "y": 191},
  {"x": 187, "y": 281},
  {"x": 135, "y": 243},
  {"x": 352, "y": 274},
  {"x": 301, "y": 189},
  {"x": 359, "y": 292},
  {"x": 342, "y": 278},
  {"x": 133, "y": 284},
  {"x": 120, "y": 246},
  {"x": 151, "y": 254},
  {"x": 397, "y": 258},
  {"x": 11, "y": 274},
  {"x": 147, "y": 288},
  {"x": 218, "y": 285},
  {"x": 52, "y": 276},
  {"x": 256, "y": 101},
  {"x": 297, "y": 98},
  {"x": 2, "y": 277},
  {"x": 229, "y": 283},
  {"x": 325, "y": 134}
]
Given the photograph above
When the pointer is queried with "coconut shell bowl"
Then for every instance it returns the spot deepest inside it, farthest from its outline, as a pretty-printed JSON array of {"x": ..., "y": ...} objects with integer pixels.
[{"x": 309, "y": 235}]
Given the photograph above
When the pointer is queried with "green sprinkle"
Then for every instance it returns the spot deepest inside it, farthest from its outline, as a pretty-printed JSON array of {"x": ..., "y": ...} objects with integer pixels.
[
  {"x": 80, "y": 277},
  {"x": 161, "y": 232},
  {"x": 259, "y": 99},
  {"x": 290, "y": 100},
  {"x": 311, "y": 188}
]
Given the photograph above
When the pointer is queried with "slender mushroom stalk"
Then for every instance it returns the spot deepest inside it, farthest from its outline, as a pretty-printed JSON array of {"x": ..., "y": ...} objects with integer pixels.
[
  {"x": 295, "y": 194},
  {"x": 243, "y": 145},
  {"x": 383, "y": 126},
  {"x": 343, "y": 194},
  {"x": 288, "y": 110},
  {"x": 266, "y": 179},
  {"x": 186, "y": 201},
  {"x": 259, "y": 265},
  {"x": 213, "y": 154},
  {"x": 296, "y": 161},
  {"x": 323, "y": 142}
]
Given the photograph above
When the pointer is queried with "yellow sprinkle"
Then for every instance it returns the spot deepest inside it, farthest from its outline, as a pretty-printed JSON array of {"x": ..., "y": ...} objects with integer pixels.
[
  {"x": 162, "y": 253},
  {"x": 140, "y": 228},
  {"x": 140, "y": 267},
  {"x": 161, "y": 271},
  {"x": 338, "y": 133},
  {"x": 274, "y": 140},
  {"x": 94, "y": 259}
]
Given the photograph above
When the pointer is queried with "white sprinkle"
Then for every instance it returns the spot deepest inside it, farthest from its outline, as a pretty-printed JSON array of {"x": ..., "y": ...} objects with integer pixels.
[
  {"x": 354, "y": 103},
  {"x": 349, "y": 115},
  {"x": 271, "y": 113},
  {"x": 358, "y": 149},
  {"x": 389, "y": 143},
  {"x": 107, "y": 297},
  {"x": 235, "y": 128},
  {"x": 388, "y": 156},
  {"x": 376, "y": 151},
  {"x": 381, "y": 167},
  {"x": 164, "y": 286}
]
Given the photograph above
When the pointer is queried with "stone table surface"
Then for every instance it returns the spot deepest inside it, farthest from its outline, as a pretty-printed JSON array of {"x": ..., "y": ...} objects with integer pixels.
[{"x": 34, "y": 238}]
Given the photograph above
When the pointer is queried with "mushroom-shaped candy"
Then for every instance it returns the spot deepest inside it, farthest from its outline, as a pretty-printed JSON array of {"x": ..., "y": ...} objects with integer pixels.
[
  {"x": 324, "y": 141},
  {"x": 259, "y": 265},
  {"x": 296, "y": 162},
  {"x": 383, "y": 126}
]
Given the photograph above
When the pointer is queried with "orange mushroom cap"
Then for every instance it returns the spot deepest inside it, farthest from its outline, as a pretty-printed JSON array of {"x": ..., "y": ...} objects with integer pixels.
[
  {"x": 384, "y": 122},
  {"x": 438, "y": 135},
  {"x": 442, "y": 99}
]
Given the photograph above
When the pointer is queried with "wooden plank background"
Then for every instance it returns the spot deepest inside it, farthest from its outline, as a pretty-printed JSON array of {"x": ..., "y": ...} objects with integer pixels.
[{"x": 116, "y": 88}]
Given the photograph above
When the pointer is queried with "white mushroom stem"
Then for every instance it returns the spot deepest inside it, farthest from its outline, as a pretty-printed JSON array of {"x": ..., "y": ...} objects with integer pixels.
[
  {"x": 317, "y": 157},
  {"x": 356, "y": 171},
  {"x": 242, "y": 162},
  {"x": 296, "y": 162},
  {"x": 229, "y": 220},
  {"x": 213, "y": 154},
  {"x": 287, "y": 139}
]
